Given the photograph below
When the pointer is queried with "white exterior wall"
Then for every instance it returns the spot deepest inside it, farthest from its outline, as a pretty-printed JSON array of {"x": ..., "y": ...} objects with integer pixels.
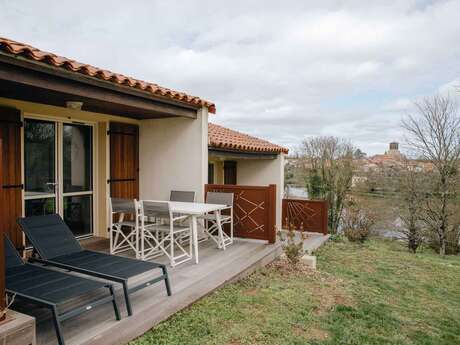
[
  {"x": 173, "y": 154},
  {"x": 263, "y": 172}
]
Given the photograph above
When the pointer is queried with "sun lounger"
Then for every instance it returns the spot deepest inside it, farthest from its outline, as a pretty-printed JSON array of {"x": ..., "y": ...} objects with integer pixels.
[
  {"x": 56, "y": 246},
  {"x": 52, "y": 289}
]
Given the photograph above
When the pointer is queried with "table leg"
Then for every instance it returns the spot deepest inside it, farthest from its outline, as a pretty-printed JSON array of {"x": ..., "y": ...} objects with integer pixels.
[{"x": 195, "y": 237}]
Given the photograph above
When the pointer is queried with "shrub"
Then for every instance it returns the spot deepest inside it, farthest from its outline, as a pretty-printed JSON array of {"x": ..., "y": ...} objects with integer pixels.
[
  {"x": 338, "y": 238},
  {"x": 292, "y": 245},
  {"x": 357, "y": 222},
  {"x": 413, "y": 238}
]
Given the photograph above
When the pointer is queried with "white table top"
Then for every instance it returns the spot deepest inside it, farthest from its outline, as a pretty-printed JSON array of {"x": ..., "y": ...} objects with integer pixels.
[{"x": 192, "y": 208}]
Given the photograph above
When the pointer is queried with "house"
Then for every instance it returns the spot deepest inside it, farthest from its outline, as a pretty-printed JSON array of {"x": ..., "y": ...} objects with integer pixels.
[
  {"x": 75, "y": 134},
  {"x": 240, "y": 159}
]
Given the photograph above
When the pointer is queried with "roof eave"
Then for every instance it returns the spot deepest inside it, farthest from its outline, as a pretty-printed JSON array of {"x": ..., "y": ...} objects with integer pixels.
[
  {"x": 80, "y": 77},
  {"x": 248, "y": 150}
]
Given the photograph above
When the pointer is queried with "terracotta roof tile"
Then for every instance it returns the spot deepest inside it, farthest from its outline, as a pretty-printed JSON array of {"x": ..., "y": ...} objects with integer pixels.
[
  {"x": 225, "y": 138},
  {"x": 29, "y": 52}
]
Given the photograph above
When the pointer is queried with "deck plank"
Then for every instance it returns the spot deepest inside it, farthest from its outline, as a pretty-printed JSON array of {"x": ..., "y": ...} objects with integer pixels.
[{"x": 190, "y": 282}]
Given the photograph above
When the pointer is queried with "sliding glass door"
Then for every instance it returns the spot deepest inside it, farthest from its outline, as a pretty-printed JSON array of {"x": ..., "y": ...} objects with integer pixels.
[{"x": 58, "y": 164}]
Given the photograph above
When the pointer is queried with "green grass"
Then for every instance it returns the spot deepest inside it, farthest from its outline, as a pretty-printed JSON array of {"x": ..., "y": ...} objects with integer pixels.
[{"x": 376, "y": 293}]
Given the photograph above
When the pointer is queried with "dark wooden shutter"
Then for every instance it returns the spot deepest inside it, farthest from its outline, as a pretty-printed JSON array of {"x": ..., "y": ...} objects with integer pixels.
[
  {"x": 210, "y": 173},
  {"x": 229, "y": 172},
  {"x": 124, "y": 160},
  {"x": 11, "y": 198},
  {"x": 2, "y": 250}
]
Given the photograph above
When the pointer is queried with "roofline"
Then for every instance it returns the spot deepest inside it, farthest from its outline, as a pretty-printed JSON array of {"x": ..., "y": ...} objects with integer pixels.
[
  {"x": 273, "y": 148},
  {"x": 87, "y": 79},
  {"x": 43, "y": 61}
]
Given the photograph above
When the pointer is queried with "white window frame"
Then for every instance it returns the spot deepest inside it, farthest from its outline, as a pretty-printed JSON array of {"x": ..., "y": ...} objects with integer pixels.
[{"x": 59, "y": 195}]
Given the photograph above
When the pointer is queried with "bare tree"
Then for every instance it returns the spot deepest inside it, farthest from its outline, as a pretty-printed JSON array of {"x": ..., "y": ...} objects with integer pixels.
[
  {"x": 434, "y": 133},
  {"x": 328, "y": 164},
  {"x": 412, "y": 186}
]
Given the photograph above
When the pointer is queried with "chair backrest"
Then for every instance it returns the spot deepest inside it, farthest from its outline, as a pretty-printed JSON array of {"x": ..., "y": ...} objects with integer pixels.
[
  {"x": 184, "y": 196},
  {"x": 219, "y": 198},
  {"x": 49, "y": 235},
  {"x": 12, "y": 258},
  {"x": 155, "y": 209},
  {"x": 119, "y": 205}
]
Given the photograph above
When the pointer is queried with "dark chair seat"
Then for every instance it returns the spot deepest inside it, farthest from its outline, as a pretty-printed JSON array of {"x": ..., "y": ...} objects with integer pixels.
[{"x": 45, "y": 284}]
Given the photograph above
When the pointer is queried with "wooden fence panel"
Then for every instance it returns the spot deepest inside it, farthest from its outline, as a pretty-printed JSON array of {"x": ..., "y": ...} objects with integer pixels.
[
  {"x": 308, "y": 215},
  {"x": 254, "y": 210}
]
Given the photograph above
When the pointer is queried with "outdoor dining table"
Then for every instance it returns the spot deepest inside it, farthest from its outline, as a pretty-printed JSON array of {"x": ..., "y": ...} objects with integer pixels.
[{"x": 194, "y": 210}]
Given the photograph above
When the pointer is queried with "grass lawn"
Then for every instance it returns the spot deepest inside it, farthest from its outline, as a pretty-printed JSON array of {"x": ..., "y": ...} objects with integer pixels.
[{"x": 376, "y": 293}]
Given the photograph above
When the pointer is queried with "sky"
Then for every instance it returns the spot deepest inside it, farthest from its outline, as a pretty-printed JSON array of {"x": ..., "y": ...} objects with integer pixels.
[{"x": 280, "y": 70}]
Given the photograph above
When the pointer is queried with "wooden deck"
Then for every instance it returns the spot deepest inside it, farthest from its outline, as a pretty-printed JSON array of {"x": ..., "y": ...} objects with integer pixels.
[{"x": 190, "y": 282}]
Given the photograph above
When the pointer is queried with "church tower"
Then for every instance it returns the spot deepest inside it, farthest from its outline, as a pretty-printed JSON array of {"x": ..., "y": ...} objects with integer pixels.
[{"x": 394, "y": 150}]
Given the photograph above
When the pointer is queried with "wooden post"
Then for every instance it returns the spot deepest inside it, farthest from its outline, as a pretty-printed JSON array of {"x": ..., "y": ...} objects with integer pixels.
[
  {"x": 325, "y": 218},
  {"x": 284, "y": 214},
  {"x": 206, "y": 187},
  {"x": 272, "y": 213},
  {"x": 2, "y": 249}
]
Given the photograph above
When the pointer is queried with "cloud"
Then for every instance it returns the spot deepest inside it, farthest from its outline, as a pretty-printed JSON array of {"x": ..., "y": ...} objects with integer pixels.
[{"x": 279, "y": 70}]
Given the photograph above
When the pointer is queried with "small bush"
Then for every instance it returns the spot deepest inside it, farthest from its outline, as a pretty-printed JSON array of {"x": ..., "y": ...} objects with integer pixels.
[
  {"x": 292, "y": 246},
  {"x": 338, "y": 238},
  {"x": 413, "y": 239},
  {"x": 357, "y": 222}
]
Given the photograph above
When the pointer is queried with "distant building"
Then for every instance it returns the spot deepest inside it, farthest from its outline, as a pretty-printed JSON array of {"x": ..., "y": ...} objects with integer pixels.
[
  {"x": 394, "y": 151},
  {"x": 392, "y": 157}
]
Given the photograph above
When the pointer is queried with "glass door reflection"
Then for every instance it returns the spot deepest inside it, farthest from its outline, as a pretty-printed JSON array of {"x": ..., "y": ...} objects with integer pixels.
[
  {"x": 40, "y": 183},
  {"x": 77, "y": 178}
]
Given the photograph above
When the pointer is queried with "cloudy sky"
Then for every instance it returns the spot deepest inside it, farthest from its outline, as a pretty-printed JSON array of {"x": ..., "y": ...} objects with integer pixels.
[{"x": 282, "y": 70}]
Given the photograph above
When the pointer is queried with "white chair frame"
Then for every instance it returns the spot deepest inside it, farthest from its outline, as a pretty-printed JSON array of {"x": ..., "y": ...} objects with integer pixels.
[
  {"x": 158, "y": 239},
  {"x": 121, "y": 241},
  {"x": 214, "y": 222}
]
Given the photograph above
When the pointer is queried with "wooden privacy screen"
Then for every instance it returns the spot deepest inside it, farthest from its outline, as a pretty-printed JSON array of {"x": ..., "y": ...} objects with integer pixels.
[
  {"x": 308, "y": 215},
  {"x": 2, "y": 250},
  {"x": 11, "y": 198},
  {"x": 254, "y": 210},
  {"x": 124, "y": 160}
]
